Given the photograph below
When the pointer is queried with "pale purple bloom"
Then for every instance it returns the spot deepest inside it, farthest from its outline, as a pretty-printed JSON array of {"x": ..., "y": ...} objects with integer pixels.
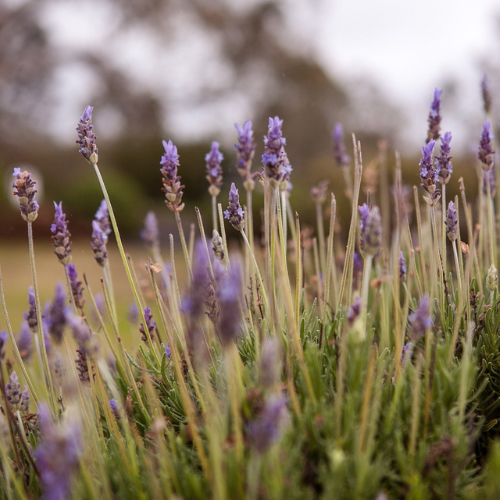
[
  {"x": 443, "y": 161},
  {"x": 420, "y": 319},
  {"x": 354, "y": 311},
  {"x": 114, "y": 408},
  {"x": 151, "y": 234},
  {"x": 341, "y": 157},
  {"x": 17, "y": 400},
  {"x": 214, "y": 170},
  {"x": 31, "y": 316},
  {"x": 245, "y": 150},
  {"x": 267, "y": 428},
  {"x": 98, "y": 243},
  {"x": 76, "y": 286},
  {"x": 3, "y": 342},
  {"x": 451, "y": 222},
  {"x": 402, "y": 266},
  {"x": 172, "y": 186},
  {"x": 57, "y": 455},
  {"x": 486, "y": 151},
  {"x": 56, "y": 315},
  {"x": 25, "y": 191},
  {"x": 274, "y": 158},
  {"x": 24, "y": 342},
  {"x": 168, "y": 351},
  {"x": 428, "y": 174},
  {"x": 86, "y": 137},
  {"x": 357, "y": 264},
  {"x": 234, "y": 212},
  {"x": 434, "y": 119},
  {"x": 150, "y": 325},
  {"x": 217, "y": 245},
  {"x": 61, "y": 235},
  {"x": 370, "y": 226},
  {"x": 84, "y": 336},
  {"x": 102, "y": 218},
  {"x": 486, "y": 94}
]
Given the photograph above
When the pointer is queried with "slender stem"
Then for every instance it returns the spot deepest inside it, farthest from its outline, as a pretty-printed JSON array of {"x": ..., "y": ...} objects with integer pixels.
[
  {"x": 184, "y": 245},
  {"x": 214, "y": 212},
  {"x": 257, "y": 271},
  {"x": 367, "y": 271},
  {"x": 491, "y": 223},
  {"x": 321, "y": 240}
]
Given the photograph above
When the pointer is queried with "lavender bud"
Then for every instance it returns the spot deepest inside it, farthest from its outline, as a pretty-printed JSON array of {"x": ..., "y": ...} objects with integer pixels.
[
  {"x": 434, "y": 119},
  {"x": 234, "y": 212},
  {"x": 270, "y": 363},
  {"x": 57, "y": 455},
  {"x": 114, "y": 408},
  {"x": 31, "y": 316},
  {"x": 343, "y": 160},
  {"x": 370, "y": 226},
  {"x": 451, "y": 222},
  {"x": 486, "y": 94},
  {"x": 86, "y": 137},
  {"x": 23, "y": 341},
  {"x": 102, "y": 218},
  {"x": 273, "y": 158},
  {"x": 354, "y": 312},
  {"x": 61, "y": 235},
  {"x": 57, "y": 315},
  {"x": 428, "y": 174},
  {"x": 443, "y": 161},
  {"x": 84, "y": 336},
  {"x": 82, "y": 366},
  {"x": 214, "y": 170},
  {"x": 267, "y": 428},
  {"x": 151, "y": 234},
  {"x": 172, "y": 186},
  {"x": 318, "y": 193},
  {"x": 217, "y": 245},
  {"x": 486, "y": 151},
  {"x": 76, "y": 287},
  {"x": 402, "y": 266},
  {"x": 357, "y": 264},
  {"x": 17, "y": 400},
  {"x": 3, "y": 342},
  {"x": 168, "y": 351},
  {"x": 98, "y": 244},
  {"x": 245, "y": 153},
  {"x": 420, "y": 319},
  {"x": 25, "y": 191},
  {"x": 150, "y": 324},
  {"x": 492, "y": 278}
]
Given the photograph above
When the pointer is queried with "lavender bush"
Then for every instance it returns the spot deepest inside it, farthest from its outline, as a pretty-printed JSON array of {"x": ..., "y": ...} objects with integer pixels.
[{"x": 290, "y": 369}]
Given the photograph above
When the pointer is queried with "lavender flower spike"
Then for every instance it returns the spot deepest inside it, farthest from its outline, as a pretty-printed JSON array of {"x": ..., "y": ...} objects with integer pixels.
[
  {"x": 341, "y": 157},
  {"x": 31, "y": 316},
  {"x": 370, "y": 226},
  {"x": 102, "y": 217},
  {"x": 57, "y": 315},
  {"x": 434, "y": 120},
  {"x": 273, "y": 157},
  {"x": 402, "y": 266},
  {"x": 24, "y": 343},
  {"x": 172, "y": 186},
  {"x": 486, "y": 94},
  {"x": 57, "y": 455},
  {"x": 151, "y": 234},
  {"x": 451, "y": 222},
  {"x": 76, "y": 286},
  {"x": 25, "y": 191},
  {"x": 3, "y": 342},
  {"x": 214, "y": 170},
  {"x": 245, "y": 153},
  {"x": 150, "y": 324},
  {"x": 86, "y": 137},
  {"x": 17, "y": 400},
  {"x": 420, "y": 319},
  {"x": 61, "y": 235},
  {"x": 98, "y": 244},
  {"x": 234, "y": 212},
  {"x": 486, "y": 151},
  {"x": 443, "y": 161}
]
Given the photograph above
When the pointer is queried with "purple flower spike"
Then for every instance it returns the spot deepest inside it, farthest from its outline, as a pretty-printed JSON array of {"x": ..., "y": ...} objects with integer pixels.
[
  {"x": 98, "y": 244},
  {"x": 24, "y": 189},
  {"x": 57, "y": 315},
  {"x": 3, "y": 342},
  {"x": 486, "y": 151},
  {"x": 57, "y": 455},
  {"x": 61, "y": 235},
  {"x": 354, "y": 311},
  {"x": 150, "y": 324},
  {"x": 234, "y": 212},
  {"x": 114, "y": 408},
  {"x": 31, "y": 317},
  {"x": 402, "y": 266},
  {"x": 102, "y": 217},
  {"x": 428, "y": 174},
  {"x": 76, "y": 286},
  {"x": 17, "y": 400},
  {"x": 486, "y": 94},
  {"x": 343, "y": 160},
  {"x": 443, "y": 161},
  {"x": 420, "y": 319},
  {"x": 24, "y": 343},
  {"x": 276, "y": 164},
  {"x": 168, "y": 351},
  {"x": 151, "y": 234},
  {"x": 214, "y": 170},
  {"x": 489, "y": 175},
  {"x": 267, "y": 428},
  {"x": 370, "y": 225},
  {"x": 245, "y": 152},
  {"x": 86, "y": 137},
  {"x": 172, "y": 186},
  {"x": 451, "y": 222},
  {"x": 434, "y": 119}
]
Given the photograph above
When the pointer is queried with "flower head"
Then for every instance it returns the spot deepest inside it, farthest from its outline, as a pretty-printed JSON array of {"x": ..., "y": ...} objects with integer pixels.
[
  {"x": 17, "y": 400},
  {"x": 86, "y": 137},
  {"x": 61, "y": 235},
  {"x": 76, "y": 286},
  {"x": 102, "y": 218},
  {"x": 217, "y": 245},
  {"x": 57, "y": 314},
  {"x": 420, "y": 319},
  {"x": 274, "y": 157},
  {"x": 24, "y": 189},
  {"x": 486, "y": 151},
  {"x": 402, "y": 266},
  {"x": 3, "y": 342},
  {"x": 451, "y": 222},
  {"x": 443, "y": 161},
  {"x": 31, "y": 316},
  {"x": 318, "y": 193},
  {"x": 245, "y": 151},
  {"x": 341, "y": 157},
  {"x": 24, "y": 342},
  {"x": 172, "y": 186},
  {"x": 150, "y": 324},
  {"x": 354, "y": 311},
  {"x": 434, "y": 119},
  {"x": 98, "y": 243},
  {"x": 234, "y": 212},
  {"x": 114, "y": 408},
  {"x": 214, "y": 170},
  {"x": 492, "y": 278},
  {"x": 370, "y": 226}
]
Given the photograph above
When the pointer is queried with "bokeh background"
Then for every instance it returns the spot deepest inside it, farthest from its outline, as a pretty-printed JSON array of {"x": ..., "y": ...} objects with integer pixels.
[{"x": 187, "y": 70}]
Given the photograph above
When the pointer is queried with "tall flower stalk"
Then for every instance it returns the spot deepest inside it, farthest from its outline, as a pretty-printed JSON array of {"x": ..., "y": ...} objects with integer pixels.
[{"x": 214, "y": 176}]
